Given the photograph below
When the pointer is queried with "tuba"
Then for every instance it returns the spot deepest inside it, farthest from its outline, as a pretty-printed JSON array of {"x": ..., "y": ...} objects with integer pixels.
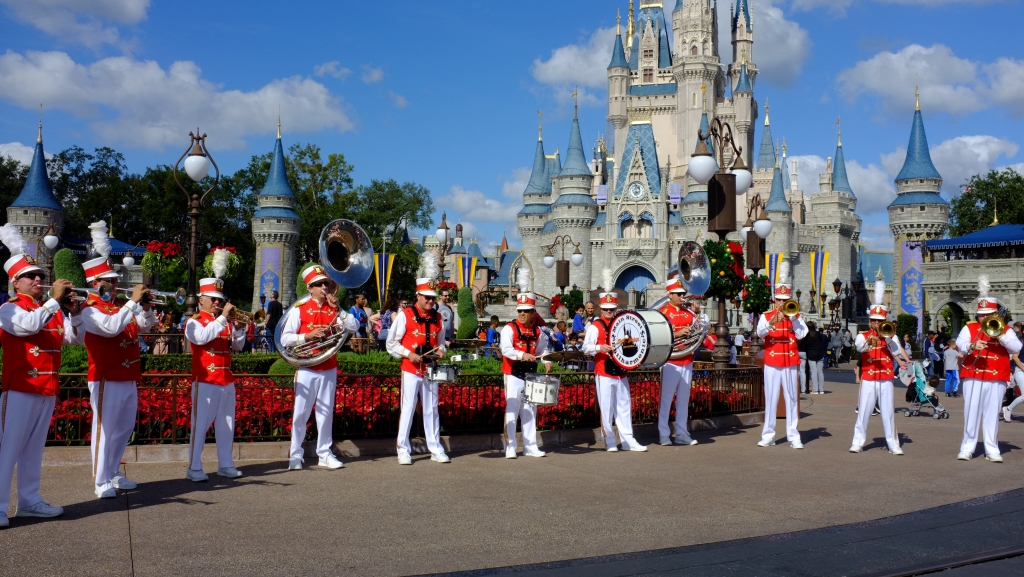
[
  {"x": 346, "y": 254},
  {"x": 695, "y": 275}
]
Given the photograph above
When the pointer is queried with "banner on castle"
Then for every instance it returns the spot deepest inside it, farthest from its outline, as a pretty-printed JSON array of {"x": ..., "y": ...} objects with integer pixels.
[
  {"x": 819, "y": 270},
  {"x": 382, "y": 263},
  {"x": 675, "y": 193},
  {"x": 602, "y": 193},
  {"x": 911, "y": 289},
  {"x": 773, "y": 266},
  {"x": 270, "y": 278},
  {"x": 467, "y": 270}
]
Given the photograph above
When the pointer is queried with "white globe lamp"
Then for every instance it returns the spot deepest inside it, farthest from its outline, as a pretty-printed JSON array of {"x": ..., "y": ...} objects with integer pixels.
[
  {"x": 197, "y": 166},
  {"x": 743, "y": 180}
]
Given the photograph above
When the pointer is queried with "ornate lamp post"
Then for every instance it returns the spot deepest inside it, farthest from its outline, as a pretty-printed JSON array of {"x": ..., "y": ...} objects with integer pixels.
[
  {"x": 753, "y": 234},
  {"x": 197, "y": 166},
  {"x": 444, "y": 244},
  {"x": 722, "y": 190},
  {"x": 51, "y": 238},
  {"x": 562, "y": 271}
]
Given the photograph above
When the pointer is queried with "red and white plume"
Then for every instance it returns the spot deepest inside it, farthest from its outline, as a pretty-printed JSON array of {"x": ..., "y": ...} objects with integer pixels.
[
  {"x": 220, "y": 262},
  {"x": 12, "y": 239},
  {"x": 524, "y": 278},
  {"x": 100, "y": 238}
]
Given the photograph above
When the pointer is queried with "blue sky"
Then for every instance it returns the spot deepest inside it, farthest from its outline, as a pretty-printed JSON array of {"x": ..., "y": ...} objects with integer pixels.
[{"x": 446, "y": 94}]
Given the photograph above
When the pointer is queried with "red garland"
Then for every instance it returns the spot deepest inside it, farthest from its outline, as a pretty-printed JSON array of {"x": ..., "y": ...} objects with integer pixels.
[{"x": 230, "y": 249}]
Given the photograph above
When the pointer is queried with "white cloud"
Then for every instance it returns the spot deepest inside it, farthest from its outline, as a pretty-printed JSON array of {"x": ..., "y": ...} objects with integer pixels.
[
  {"x": 871, "y": 184},
  {"x": 80, "y": 20},
  {"x": 333, "y": 69},
  {"x": 578, "y": 68},
  {"x": 947, "y": 82},
  {"x": 372, "y": 75},
  {"x": 153, "y": 107},
  {"x": 19, "y": 152},
  {"x": 397, "y": 99},
  {"x": 841, "y": 5},
  {"x": 876, "y": 235},
  {"x": 485, "y": 218},
  {"x": 781, "y": 47},
  {"x": 958, "y": 159},
  {"x": 1018, "y": 167},
  {"x": 514, "y": 186}
]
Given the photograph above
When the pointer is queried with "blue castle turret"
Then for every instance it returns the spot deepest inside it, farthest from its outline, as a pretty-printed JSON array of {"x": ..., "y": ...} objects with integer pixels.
[
  {"x": 36, "y": 208},
  {"x": 275, "y": 229}
]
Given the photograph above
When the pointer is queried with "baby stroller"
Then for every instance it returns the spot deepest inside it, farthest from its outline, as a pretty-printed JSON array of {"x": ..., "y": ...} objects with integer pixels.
[{"x": 919, "y": 393}]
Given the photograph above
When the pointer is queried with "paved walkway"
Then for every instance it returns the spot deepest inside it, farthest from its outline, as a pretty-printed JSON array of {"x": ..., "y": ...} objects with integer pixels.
[{"x": 482, "y": 511}]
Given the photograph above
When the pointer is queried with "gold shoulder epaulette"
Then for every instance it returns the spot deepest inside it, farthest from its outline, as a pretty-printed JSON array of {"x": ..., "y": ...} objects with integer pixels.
[
  {"x": 972, "y": 322},
  {"x": 196, "y": 316}
]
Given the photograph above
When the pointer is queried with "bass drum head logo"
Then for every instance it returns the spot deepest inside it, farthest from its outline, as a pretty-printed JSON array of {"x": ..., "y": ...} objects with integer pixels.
[{"x": 630, "y": 329}]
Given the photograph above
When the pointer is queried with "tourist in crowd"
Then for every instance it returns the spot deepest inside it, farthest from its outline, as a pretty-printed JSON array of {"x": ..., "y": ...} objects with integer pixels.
[
  {"x": 386, "y": 317},
  {"x": 1016, "y": 385},
  {"x": 801, "y": 349},
  {"x": 738, "y": 341},
  {"x": 358, "y": 311},
  {"x": 493, "y": 337},
  {"x": 447, "y": 315},
  {"x": 848, "y": 342},
  {"x": 951, "y": 363},
  {"x": 928, "y": 351},
  {"x": 274, "y": 313},
  {"x": 558, "y": 344},
  {"x": 579, "y": 321},
  {"x": 836, "y": 346},
  {"x": 815, "y": 346}
]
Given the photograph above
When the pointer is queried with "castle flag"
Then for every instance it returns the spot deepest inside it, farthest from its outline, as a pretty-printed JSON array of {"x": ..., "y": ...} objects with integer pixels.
[{"x": 382, "y": 264}]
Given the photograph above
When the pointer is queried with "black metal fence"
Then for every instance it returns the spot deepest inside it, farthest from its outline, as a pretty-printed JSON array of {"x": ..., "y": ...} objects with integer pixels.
[{"x": 368, "y": 406}]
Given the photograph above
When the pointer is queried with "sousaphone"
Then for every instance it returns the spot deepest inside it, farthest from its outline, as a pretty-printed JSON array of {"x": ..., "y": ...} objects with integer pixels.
[
  {"x": 346, "y": 255},
  {"x": 695, "y": 276}
]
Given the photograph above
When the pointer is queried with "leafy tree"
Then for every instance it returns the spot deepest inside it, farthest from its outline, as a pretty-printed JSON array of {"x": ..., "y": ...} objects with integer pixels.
[
  {"x": 468, "y": 322},
  {"x": 67, "y": 266},
  {"x": 907, "y": 325},
  {"x": 12, "y": 180},
  {"x": 975, "y": 207}
]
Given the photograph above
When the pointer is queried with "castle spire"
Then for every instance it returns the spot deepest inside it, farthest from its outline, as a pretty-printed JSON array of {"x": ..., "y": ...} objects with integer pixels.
[
  {"x": 618, "y": 22},
  {"x": 766, "y": 107},
  {"x": 917, "y": 94},
  {"x": 839, "y": 131},
  {"x": 279, "y": 122},
  {"x": 630, "y": 26},
  {"x": 919, "y": 159},
  {"x": 39, "y": 139},
  {"x": 540, "y": 125},
  {"x": 575, "y": 159},
  {"x": 38, "y": 191},
  {"x": 840, "y": 181}
]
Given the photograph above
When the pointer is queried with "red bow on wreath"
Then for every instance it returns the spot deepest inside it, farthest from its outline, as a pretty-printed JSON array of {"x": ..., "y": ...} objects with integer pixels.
[{"x": 555, "y": 302}]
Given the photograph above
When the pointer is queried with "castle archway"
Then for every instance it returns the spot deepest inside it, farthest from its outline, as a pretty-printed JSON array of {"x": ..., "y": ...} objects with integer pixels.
[{"x": 635, "y": 277}]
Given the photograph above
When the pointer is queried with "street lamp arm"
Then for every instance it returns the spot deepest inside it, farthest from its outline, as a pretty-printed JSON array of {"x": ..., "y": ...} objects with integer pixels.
[
  {"x": 216, "y": 169},
  {"x": 721, "y": 134}
]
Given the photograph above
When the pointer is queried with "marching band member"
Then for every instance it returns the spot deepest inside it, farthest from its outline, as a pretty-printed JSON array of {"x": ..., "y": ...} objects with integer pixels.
[
  {"x": 985, "y": 373},
  {"x": 522, "y": 342},
  {"x": 781, "y": 361},
  {"x": 416, "y": 331},
  {"x": 112, "y": 342},
  {"x": 31, "y": 334},
  {"x": 310, "y": 319},
  {"x": 878, "y": 355},
  {"x": 213, "y": 391},
  {"x": 676, "y": 374},
  {"x": 610, "y": 379}
]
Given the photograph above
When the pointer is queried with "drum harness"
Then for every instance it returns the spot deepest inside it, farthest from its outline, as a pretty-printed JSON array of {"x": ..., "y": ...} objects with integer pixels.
[
  {"x": 425, "y": 323},
  {"x": 609, "y": 366},
  {"x": 520, "y": 368}
]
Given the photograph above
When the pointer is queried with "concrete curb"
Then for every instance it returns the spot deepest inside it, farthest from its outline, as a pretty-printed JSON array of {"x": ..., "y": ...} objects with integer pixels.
[{"x": 278, "y": 450}]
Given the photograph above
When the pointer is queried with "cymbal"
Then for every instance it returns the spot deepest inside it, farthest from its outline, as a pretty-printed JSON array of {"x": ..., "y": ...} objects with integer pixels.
[{"x": 560, "y": 356}]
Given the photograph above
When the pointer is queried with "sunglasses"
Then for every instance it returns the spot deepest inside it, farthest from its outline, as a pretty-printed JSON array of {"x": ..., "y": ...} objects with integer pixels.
[
  {"x": 34, "y": 275},
  {"x": 319, "y": 284},
  {"x": 429, "y": 298}
]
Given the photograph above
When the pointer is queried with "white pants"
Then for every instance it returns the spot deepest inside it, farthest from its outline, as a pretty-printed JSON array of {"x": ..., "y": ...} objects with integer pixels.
[
  {"x": 784, "y": 379},
  {"x": 114, "y": 405},
  {"x": 314, "y": 388},
  {"x": 615, "y": 405},
  {"x": 870, "y": 393},
  {"x": 675, "y": 382},
  {"x": 517, "y": 408},
  {"x": 24, "y": 422},
  {"x": 414, "y": 387},
  {"x": 982, "y": 403},
  {"x": 212, "y": 405},
  {"x": 1018, "y": 381}
]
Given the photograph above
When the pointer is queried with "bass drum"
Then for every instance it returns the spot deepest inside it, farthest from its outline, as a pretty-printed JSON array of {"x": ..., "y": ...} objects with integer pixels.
[{"x": 647, "y": 338}]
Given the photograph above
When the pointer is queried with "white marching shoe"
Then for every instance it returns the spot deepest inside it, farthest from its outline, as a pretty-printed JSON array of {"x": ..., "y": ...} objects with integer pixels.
[
  {"x": 440, "y": 458},
  {"x": 40, "y": 509},
  {"x": 964, "y": 456},
  {"x": 797, "y": 445},
  {"x": 994, "y": 458},
  {"x": 123, "y": 483},
  {"x": 404, "y": 459},
  {"x": 896, "y": 451},
  {"x": 106, "y": 491},
  {"x": 1007, "y": 416},
  {"x": 635, "y": 447},
  {"x": 295, "y": 464},
  {"x": 331, "y": 462},
  {"x": 533, "y": 452},
  {"x": 684, "y": 439},
  {"x": 764, "y": 443},
  {"x": 229, "y": 472},
  {"x": 856, "y": 448},
  {"x": 196, "y": 476},
  {"x": 510, "y": 453}
]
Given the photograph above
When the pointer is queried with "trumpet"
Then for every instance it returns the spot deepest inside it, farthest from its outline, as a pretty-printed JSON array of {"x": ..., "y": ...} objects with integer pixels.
[
  {"x": 159, "y": 297},
  {"x": 103, "y": 293},
  {"x": 240, "y": 316},
  {"x": 790, "y": 308}
]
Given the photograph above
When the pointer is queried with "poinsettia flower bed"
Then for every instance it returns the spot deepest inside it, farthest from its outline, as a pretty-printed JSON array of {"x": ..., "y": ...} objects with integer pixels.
[{"x": 367, "y": 406}]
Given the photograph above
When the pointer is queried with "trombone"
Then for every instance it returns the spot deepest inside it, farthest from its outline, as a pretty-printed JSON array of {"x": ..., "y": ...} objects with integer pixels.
[
  {"x": 993, "y": 327},
  {"x": 76, "y": 294},
  {"x": 887, "y": 329},
  {"x": 158, "y": 297}
]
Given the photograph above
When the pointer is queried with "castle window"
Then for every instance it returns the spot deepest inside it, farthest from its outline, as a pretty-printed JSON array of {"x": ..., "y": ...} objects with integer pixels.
[
  {"x": 648, "y": 75},
  {"x": 649, "y": 53},
  {"x": 24, "y": 212},
  {"x": 46, "y": 213},
  {"x": 901, "y": 209},
  {"x": 693, "y": 50},
  {"x": 278, "y": 221},
  {"x": 922, "y": 209},
  {"x": 921, "y": 181},
  {"x": 263, "y": 221}
]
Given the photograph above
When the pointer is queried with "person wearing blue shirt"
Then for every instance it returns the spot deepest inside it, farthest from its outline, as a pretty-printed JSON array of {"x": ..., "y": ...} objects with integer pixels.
[
  {"x": 578, "y": 324},
  {"x": 493, "y": 338},
  {"x": 359, "y": 313}
]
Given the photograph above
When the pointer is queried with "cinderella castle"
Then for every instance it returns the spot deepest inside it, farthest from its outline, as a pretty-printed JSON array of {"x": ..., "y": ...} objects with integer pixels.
[{"x": 633, "y": 204}]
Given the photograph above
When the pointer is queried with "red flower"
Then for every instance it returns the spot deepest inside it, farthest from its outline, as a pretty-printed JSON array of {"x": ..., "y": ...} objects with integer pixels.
[{"x": 230, "y": 249}]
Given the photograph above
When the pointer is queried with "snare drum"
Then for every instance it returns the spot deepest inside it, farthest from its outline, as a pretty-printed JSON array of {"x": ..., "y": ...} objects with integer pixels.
[
  {"x": 442, "y": 373},
  {"x": 541, "y": 389}
]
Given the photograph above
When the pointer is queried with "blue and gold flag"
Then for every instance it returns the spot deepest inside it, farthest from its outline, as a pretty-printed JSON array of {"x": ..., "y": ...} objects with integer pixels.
[
  {"x": 382, "y": 264},
  {"x": 467, "y": 270}
]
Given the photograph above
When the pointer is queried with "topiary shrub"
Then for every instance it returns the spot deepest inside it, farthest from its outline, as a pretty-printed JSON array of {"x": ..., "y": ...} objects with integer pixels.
[
  {"x": 467, "y": 315},
  {"x": 74, "y": 359},
  {"x": 66, "y": 266},
  {"x": 907, "y": 325},
  {"x": 281, "y": 367}
]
